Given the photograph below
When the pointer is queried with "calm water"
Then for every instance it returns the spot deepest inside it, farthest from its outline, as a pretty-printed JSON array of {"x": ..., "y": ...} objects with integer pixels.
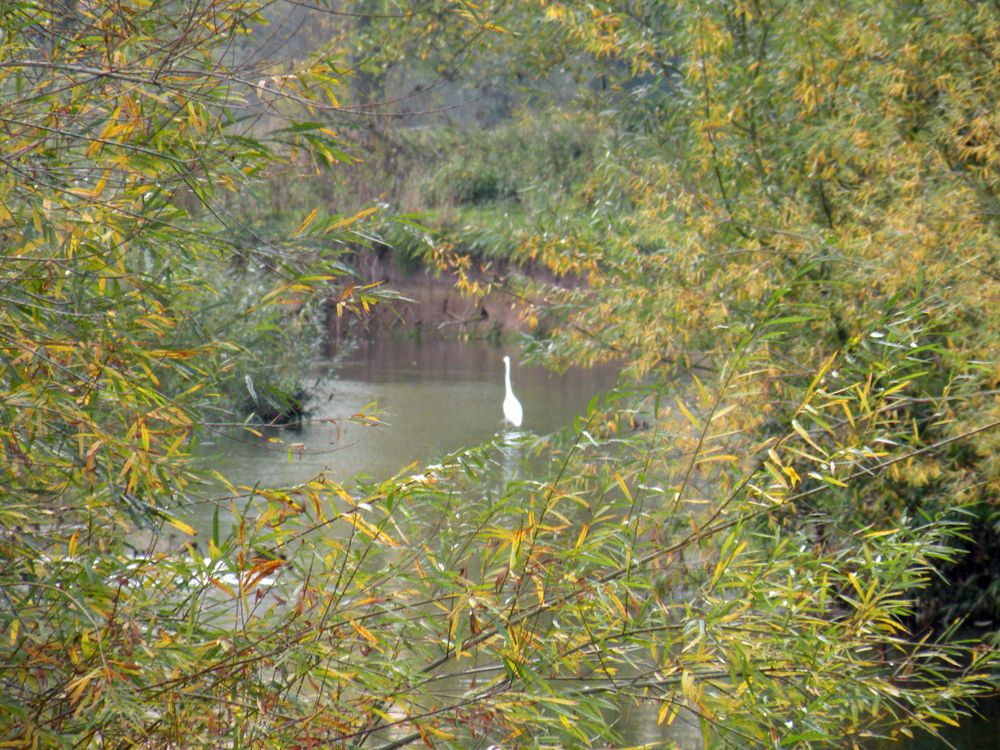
[
  {"x": 431, "y": 397},
  {"x": 435, "y": 397}
]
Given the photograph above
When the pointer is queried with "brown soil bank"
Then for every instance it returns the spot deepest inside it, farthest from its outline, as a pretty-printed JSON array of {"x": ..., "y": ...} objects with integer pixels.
[{"x": 430, "y": 303}]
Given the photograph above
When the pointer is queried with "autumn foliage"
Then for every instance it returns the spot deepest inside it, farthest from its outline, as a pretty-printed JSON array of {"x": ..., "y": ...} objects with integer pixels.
[{"x": 780, "y": 218}]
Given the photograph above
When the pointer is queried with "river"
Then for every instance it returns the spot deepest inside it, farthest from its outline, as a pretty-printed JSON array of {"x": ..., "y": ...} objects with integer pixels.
[
  {"x": 432, "y": 397},
  {"x": 429, "y": 397}
]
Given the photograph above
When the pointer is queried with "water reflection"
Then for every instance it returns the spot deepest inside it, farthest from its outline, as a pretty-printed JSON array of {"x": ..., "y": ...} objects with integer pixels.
[{"x": 431, "y": 397}]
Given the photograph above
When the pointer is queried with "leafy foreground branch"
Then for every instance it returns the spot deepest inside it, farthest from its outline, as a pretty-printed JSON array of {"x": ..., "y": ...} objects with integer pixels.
[
  {"x": 751, "y": 549},
  {"x": 463, "y": 606}
]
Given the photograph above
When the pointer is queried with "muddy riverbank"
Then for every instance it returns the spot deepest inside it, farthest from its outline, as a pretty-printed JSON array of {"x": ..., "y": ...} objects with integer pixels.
[{"x": 430, "y": 303}]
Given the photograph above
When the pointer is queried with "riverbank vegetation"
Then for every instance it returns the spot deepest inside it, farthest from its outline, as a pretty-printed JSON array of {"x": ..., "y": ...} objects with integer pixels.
[{"x": 787, "y": 544}]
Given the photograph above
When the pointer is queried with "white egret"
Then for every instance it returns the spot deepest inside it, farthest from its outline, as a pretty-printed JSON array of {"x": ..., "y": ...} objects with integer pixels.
[{"x": 512, "y": 411}]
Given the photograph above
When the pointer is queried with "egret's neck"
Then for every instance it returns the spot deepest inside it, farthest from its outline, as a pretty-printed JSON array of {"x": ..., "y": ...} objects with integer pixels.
[{"x": 506, "y": 372}]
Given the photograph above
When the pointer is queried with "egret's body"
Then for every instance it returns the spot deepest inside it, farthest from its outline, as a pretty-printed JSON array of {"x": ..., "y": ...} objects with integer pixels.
[{"x": 512, "y": 411}]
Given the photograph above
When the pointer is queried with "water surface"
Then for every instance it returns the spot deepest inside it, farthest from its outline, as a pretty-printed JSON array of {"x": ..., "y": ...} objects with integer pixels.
[{"x": 430, "y": 398}]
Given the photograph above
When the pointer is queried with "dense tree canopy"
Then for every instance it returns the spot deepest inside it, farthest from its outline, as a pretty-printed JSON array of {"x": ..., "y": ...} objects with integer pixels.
[{"x": 780, "y": 218}]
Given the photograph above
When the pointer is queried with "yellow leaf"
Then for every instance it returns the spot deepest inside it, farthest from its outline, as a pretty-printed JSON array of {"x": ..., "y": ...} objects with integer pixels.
[
  {"x": 99, "y": 187},
  {"x": 667, "y": 713},
  {"x": 194, "y": 118},
  {"x": 688, "y": 688},
  {"x": 801, "y": 432},
  {"x": 259, "y": 572},
  {"x": 688, "y": 414},
  {"x": 343, "y": 223},
  {"x": 727, "y": 457},
  {"x": 705, "y": 397},
  {"x": 896, "y": 388},
  {"x": 223, "y": 586},
  {"x": 77, "y": 686},
  {"x": 515, "y": 544},
  {"x": 364, "y": 632},
  {"x": 619, "y": 605},
  {"x": 306, "y": 222},
  {"x": 847, "y": 412},
  {"x": 792, "y": 475},
  {"x": 621, "y": 483},
  {"x": 439, "y": 732},
  {"x": 883, "y": 532},
  {"x": 723, "y": 412},
  {"x": 369, "y": 529},
  {"x": 775, "y": 472},
  {"x": 183, "y": 527},
  {"x": 89, "y": 458},
  {"x": 945, "y": 719},
  {"x": 726, "y": 562}
]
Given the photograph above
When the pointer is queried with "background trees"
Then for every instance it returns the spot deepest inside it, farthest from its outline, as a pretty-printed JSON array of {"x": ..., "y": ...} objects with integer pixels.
[
  {"x": 834, "y": 166},
  {"x": 807, "y": 201}
]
